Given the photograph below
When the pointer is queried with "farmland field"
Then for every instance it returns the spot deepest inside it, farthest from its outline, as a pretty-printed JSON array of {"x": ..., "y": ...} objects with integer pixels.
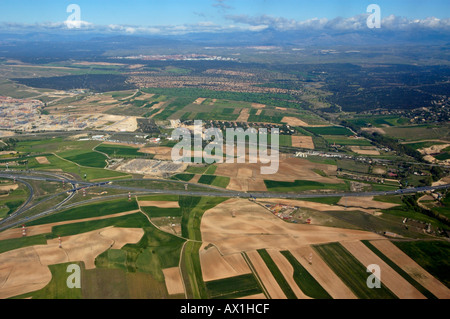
[
  {"x": 234, "y": 287},
  {"x": 351, "y": 271},
  {"x": 300, "y": 185}
]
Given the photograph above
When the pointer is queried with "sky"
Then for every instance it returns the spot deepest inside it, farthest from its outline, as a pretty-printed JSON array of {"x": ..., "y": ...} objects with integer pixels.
[{"x": 202, "y": 15}]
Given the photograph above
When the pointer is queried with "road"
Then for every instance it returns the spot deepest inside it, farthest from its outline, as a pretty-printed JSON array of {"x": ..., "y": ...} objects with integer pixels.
[{"x": 209, "y": 191}]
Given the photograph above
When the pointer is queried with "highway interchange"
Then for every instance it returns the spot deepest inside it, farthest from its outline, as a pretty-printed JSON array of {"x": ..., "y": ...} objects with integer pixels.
[{"x": 23, "y": 177}]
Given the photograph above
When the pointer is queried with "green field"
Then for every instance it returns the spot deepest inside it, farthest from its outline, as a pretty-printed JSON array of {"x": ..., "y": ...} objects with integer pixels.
[
  {"x": 196, "y": 169},
  {"x": 330, "y": 130},
  {"x": 233, "y": 287},
  {"x": 218, "y": 181},
  {"x": 418, "y": 132},
  {"x": 304, "y": 280},
  {"x": 284, "y": 285},
  {"x": 351, "y": 271},
  {"x": 152, "y": 211},
  {"x": 119, "y": 150},
  {"x": 399, "y": 270},
  {"x": 191, "y": 270},
  {"x": 431, "y": 255},
  {"x": 88, "y": 159},
  {"x": 301, "y": 185},
  {"x": 57, "y": 287},
  {"x": 87, "y": 211},
  {"x": 183, "y": 177}
]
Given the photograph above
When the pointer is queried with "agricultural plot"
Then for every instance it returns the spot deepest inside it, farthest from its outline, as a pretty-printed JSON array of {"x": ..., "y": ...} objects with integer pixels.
[
  {"x": 234, "y": 287},
  {"x": 351, "y": 272},
  {"x": 119, "y": 151},
  {"x": 304, "y": 280},
  {"x": 330, "y": 130},
  {"x": 418, "y": 132},
  {"x": 300, "y": 185},
  {"x": 219, "y": 181}
]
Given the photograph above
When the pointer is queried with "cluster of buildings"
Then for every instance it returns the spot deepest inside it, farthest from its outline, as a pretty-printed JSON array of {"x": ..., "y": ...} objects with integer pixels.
[
  {"x": 177, "y": 57},
  {"x": 18, "y": 113}
]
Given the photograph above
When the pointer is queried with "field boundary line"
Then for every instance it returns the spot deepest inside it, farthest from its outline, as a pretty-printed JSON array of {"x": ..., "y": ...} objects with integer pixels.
[{"x": 252, "y": 268}]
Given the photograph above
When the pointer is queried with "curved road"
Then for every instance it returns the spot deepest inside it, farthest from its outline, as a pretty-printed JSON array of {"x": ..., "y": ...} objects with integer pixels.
[{"x": 209, "y": 191}]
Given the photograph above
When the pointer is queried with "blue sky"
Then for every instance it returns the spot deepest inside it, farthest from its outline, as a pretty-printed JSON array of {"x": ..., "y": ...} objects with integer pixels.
[{"x": 210, "y": 12}]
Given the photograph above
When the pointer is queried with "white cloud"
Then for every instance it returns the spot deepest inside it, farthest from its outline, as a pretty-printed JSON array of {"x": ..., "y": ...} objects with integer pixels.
[{"x": 245, "y": 23}]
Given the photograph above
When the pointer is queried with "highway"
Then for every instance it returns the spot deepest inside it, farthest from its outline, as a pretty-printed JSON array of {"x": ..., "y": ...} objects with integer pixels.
[{"x": 209, "y": 191}]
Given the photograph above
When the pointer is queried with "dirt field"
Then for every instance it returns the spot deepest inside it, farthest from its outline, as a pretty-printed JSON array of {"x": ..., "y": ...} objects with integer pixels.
[
  {"x": 322, "y": 273},
  {"x": 9, "y": 187},
  {"x": 174, "y": 283},
  {"x": 442, "y": 181},
  {"x": 293, "y": 121},
  {"x": 151, "y": 168},
  {"x": 288, "y": 272},
  {"x": 265, "y": 275},
  {"x": 389, "y": 277},
  {"x": 161, "y": 152},
  {"x": 373, "y": 130},
  {"x": 47, "y": 228},
  {"x": 364, "y": 151},
  {"x": 364, "y": 202},
  {"x": 128, "y": 124},
  {"x": 290, "y": 169},
  {"x": 312, "y": 205},
  {"x": 412, "y": 268},
  {"x": 161, "y": 204},
  {"x": 244, "y": 115},
  {"x": 254, "y": 228},
  {"x": 24, "y": 270},
  {"x": 200, "y": 100},
  {"x": 302, "y": 141},
  {"x": 258, "y": 106},
  {"x": 215, "y": 266},
  {"x": 435, "y": 149},
  {"x": 42, "y": 160}
]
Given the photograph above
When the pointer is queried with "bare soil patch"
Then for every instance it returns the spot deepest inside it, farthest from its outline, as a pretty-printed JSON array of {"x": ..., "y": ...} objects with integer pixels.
[
  {"x": 174, "y": 282},
  {"x": 412, "y": 268},
  {"x": 290, "y": 169},
  {"x": 302, "y": 142},
  {"x": 253, "y": 227},
  {"x": 47, "y": 228},
  {"x": 258, "y": 106},
  {"x": 9, "y": 187},
  {"x": 215, "y": 266},
  {"x": 24, "y": 270},
  {"x": 288, "y": 272},
  {"x": 42, "y": 160},
  {"x": 269, "y": 282},
  {"x": 244, "y": 115},
  {"x": 161, "y": 204},
  {"x": 293, "y": 121},
  {"x": 364, "y": 151},
  {"x": 322, "y": 273},
  {"x": 389, "y": 277},
  {"x": 364, "y": 202}
]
